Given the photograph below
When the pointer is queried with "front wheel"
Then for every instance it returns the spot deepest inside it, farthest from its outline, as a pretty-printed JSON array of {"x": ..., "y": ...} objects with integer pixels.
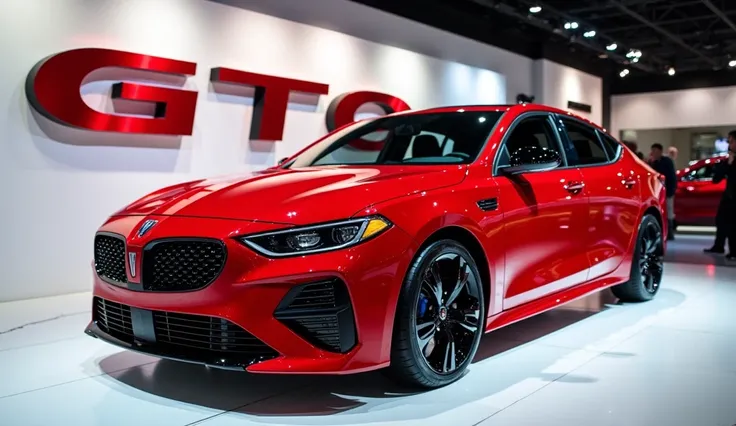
[
  {"x": 647, "y": 265},
  {"x": 439, "y": 318}
]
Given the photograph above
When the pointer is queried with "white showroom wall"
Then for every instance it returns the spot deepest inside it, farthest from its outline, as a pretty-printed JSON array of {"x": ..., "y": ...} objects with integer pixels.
[
  {"x": 556, "y": 84},
  {"x": 711, "y": 107},
  {"x": 55, "y": 194}
]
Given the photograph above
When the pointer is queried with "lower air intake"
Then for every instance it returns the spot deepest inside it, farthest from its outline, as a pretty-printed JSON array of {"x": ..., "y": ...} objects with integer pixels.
[
  {"x": 321, "y": 313},
  {"x": 197, "y": 338}
]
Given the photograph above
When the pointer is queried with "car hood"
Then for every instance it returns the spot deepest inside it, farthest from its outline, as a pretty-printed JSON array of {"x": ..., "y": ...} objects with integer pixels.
[{"x": 298, "y": 196}]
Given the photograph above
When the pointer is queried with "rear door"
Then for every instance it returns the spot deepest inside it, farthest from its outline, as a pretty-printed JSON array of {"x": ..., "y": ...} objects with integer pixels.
[
  {"x": 613, "y": 192},
  {"x": 545, "y": 218}
]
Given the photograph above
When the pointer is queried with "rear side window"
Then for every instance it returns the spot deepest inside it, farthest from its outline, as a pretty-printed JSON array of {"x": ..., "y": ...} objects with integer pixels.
[
  {"x": 585, "y": 148},
  {"x": 613, "y": 148}
]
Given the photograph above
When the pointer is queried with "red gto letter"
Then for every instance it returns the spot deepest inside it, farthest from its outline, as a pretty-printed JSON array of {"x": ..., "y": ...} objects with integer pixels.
[
  {"x": 270, "y": 100},
  {"x": 342, "y": 109},
  {"x": 52, "y": 89}
]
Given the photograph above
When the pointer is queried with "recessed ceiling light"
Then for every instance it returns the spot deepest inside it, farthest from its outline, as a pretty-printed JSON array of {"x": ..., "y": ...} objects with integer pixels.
[
  {"x": 671, "y": 71},
  {"x": 732, "y": 63},
  {"x": 624, "y": 73},
  {"x": 589, "y": 34},
  {"x": 612, "y": 47},
  {"x": 571, "y": 25},
  {"x": 535, "y": 9}
]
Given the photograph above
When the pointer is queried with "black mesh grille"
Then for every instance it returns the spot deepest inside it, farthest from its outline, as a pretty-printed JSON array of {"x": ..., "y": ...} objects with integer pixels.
[
  {"x": 110, "y": 259},
  {"x": 182, "y": 265},
  {"x": 321, "y": 313},
  {"x": 196, "y": 338}
]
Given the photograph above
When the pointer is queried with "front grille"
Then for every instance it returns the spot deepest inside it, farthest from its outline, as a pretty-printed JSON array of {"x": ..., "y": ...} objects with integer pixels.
[
  {"x": 182, "y": 264},
  {"x": 110, "y": 258},
  {"x": 321, "y": 313},
  {"x": 197, "y": 338}
]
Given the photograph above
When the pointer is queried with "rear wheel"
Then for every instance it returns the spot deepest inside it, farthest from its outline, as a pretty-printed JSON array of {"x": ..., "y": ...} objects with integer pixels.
[
  {"x": 647, "y": 266},
  {"x": 439, "y": 318}
]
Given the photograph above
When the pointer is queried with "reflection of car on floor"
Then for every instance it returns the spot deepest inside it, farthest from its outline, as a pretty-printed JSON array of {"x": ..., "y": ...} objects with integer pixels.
[
  {"x": 697, "y": 197},
  {"x": 347, "y": 257}
]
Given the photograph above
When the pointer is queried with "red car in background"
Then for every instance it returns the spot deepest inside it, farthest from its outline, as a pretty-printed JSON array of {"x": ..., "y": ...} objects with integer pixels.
[
  {"x": 697, "y": 197},
  {"x": 350, "y": 257}
]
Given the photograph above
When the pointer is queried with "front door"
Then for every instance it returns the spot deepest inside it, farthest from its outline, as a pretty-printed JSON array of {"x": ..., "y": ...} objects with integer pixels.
[{"x": 545, "y": 219}]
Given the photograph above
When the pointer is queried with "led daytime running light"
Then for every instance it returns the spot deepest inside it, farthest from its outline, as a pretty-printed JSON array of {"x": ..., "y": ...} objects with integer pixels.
[{"x": 316, "y": 238}]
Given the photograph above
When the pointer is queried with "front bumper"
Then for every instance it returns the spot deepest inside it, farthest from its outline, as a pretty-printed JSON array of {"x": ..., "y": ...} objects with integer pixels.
[{"x": 250, "y": 294}]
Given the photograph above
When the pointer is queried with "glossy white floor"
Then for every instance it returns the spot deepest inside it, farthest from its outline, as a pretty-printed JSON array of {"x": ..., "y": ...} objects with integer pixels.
[{"x": 668, "y": 362}]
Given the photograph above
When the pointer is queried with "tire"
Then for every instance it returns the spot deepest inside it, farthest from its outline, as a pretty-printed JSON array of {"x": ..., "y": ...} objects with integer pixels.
[
  {"x": 434, "y": 341},
  {"x": 647, "y": 266}
]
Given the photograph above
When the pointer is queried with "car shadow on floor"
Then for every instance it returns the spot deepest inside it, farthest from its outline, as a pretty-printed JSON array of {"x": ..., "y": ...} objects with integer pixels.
[{"x": 524, "y": 353}]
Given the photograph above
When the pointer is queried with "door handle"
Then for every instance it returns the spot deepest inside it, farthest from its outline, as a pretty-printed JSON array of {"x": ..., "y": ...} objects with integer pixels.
[
  {"x": 629, "y": 183},
  {"x": 574, "y": 187}
]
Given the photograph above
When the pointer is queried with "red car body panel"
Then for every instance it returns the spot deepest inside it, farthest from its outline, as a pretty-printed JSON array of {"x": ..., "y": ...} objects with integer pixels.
[
  {"x": 542, "y": 247},
  {"x": 697, "y": 197}
]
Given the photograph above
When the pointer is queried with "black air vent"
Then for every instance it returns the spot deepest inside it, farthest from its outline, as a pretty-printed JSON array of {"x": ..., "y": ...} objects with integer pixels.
[
  {"x": 110, "y": 258},
  {"x": 321, "y": 313},
  {"x": 197, "y": 338},
  {"x": 114, "y": 319},
  {"x": 489, "y": 204}
]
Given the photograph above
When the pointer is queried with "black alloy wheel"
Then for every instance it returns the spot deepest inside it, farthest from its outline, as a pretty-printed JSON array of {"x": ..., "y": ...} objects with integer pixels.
[
  {"x": 651, "y": 263},
  {"x": 647, "y": 266},
  {"x": 440, "y": 317}
]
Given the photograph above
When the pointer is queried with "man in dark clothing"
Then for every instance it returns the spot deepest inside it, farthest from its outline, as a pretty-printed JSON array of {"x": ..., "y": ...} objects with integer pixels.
[
  {"x": 726, "y": 217},
  {"x": 664, "y": 165}
]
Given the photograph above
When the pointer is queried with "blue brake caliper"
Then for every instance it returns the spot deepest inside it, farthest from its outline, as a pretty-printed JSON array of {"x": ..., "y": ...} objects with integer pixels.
[{"x": 422, "y": 308}]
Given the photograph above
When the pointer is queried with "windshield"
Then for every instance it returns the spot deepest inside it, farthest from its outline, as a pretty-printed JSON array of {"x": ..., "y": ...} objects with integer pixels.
[{"x": 432, "y": 138}]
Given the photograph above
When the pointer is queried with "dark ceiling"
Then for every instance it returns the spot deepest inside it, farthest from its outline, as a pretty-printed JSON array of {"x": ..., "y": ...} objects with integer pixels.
[{"x": 696, "y": 38}]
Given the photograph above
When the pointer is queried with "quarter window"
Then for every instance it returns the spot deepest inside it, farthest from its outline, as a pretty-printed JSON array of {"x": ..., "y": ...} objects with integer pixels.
[
  {"x": 532, "y": 131},
  {"x": 584, "y": 148},
  {"x": 613, "y": 148}
]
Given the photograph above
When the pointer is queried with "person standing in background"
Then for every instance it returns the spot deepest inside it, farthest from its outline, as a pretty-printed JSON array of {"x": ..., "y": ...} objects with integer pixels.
[
  {"x": 672, "y": 153},
  {"x": 726, "y": 216},
  {"x": 634, "y": 148},
  {"x": 665, "y": 166}
]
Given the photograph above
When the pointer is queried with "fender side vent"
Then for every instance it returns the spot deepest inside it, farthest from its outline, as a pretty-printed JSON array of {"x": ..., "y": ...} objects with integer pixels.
[{"x": 488, "y": 205}]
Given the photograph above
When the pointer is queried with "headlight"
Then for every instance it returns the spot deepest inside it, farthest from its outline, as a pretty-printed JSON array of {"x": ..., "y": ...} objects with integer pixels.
[{"x": 317, "y": 238}]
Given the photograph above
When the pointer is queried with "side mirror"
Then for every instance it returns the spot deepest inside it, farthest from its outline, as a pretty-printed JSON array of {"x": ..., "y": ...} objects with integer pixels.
[
  {"x": 532, "y": 159},
  {"x": 282, "y": 161}
]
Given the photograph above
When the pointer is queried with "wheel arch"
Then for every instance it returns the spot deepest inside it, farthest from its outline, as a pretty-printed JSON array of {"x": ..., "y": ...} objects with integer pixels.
[{"x": 474, "y": 247}]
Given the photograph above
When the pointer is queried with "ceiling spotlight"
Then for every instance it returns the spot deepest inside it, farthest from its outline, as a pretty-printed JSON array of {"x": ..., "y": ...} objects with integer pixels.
[
  {"x": 571, "y": 25},
  {"x": 612, "y": 47},
  {"x": 732, "y": 63},
  {"x": 624, "y": 73},
  {"x": 535, "y": 9},
  {"x": 633, "y": 53},
  {"x": 635, "y": 59},
  {"x": 671, "y": 71},
  {"x": 589, "y": 34}
]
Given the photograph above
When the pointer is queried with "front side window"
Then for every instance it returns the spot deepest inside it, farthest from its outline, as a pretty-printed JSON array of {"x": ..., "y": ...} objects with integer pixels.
[
  {"x": 532, "y": 131},
  {"x": 585, "y": 148},
  {"x": 426, "y": 138}
]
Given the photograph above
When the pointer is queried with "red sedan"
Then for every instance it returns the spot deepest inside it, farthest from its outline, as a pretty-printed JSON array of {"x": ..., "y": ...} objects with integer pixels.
[
  {"x": 697, "y": 197},
  {"x": 391, "y": 242}
]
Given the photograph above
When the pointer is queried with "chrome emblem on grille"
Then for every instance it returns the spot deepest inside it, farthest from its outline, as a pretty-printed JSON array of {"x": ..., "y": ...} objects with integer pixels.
[
  {"x": 147, "y": 225},
  {"x": 131, "y": 263}
]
